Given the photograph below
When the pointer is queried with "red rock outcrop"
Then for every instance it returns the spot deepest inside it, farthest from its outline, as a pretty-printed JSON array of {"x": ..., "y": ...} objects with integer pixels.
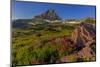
[
  {"x": 84, "y": 33},
  {"x": 82, "y": 37}
]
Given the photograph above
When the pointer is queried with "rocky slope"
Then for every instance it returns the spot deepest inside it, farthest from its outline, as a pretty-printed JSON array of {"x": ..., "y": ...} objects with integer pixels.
[
  {"x": 83, "y": 34},
  {"x": 83, "y": 38}
]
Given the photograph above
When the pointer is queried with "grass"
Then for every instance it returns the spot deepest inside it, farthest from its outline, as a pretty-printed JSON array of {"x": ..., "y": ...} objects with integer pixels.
[{"x": 31, "y": 46}]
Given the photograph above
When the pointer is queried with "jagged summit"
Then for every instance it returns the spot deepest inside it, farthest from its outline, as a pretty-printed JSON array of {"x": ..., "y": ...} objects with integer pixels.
[{"x": 48, "y": 15}]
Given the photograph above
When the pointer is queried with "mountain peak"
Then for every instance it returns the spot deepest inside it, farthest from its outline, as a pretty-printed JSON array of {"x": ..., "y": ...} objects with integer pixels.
[
  {"x": 48, "y": 15},
  {"x": 51, "y": 11}
]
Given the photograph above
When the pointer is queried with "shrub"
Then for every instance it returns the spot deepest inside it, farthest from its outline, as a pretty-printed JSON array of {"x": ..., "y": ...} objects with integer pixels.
[
  {"x": 46, "y": 55},
  {"x": 22, "y": 56},
  {"x": 93, "y": 46},
  {"x": 90, "y": 20},
  {"x": 72, "y": 58}
]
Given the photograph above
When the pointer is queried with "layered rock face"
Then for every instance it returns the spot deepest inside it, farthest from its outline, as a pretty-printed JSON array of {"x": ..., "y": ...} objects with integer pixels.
[
  {"x": 83, "y": 38},
  {"x": 48, "y": 15},
  {"x": 84, "y": 33}
]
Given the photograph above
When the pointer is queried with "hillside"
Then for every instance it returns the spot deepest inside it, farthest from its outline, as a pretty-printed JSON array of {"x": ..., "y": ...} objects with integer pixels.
[{"x": 46, "y": 39}]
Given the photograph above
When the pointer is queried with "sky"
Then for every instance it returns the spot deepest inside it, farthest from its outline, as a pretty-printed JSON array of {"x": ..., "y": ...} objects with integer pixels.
[{"x": 27, "y": 10}]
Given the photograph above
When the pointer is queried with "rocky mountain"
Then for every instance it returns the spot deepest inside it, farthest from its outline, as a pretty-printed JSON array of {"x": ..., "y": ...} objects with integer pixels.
[{"x": 48, "y": 15}]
